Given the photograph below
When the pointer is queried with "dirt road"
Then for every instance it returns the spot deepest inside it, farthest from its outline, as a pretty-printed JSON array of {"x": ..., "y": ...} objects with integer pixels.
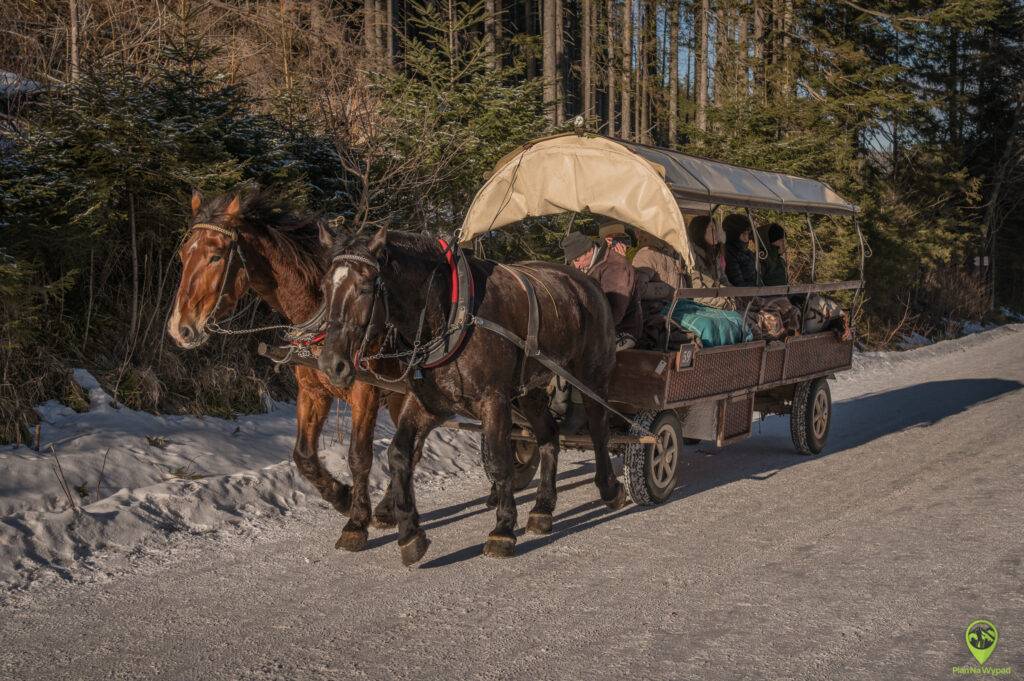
[{"x": 867, "y": 562}]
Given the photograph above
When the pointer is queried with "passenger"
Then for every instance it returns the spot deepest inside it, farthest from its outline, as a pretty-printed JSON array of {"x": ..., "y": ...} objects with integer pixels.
[
  {"x": 616, "y": 237},
  {"x": 740, "y": 261},
  {"x": 709, "y": 265},
  {"x": 617, "y": 279},
  {"x": 659, "y": 257},
  {"x": 776, "y": 270}
]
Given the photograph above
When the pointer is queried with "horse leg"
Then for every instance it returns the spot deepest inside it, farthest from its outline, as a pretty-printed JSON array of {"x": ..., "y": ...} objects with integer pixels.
[
  {"x": 535, "y": 408},
  {"x": 365, "y": 401},
  {"x": 613, "y": 493},
  {"x": 384, "y": 513},
  {"x": 313, "y": 405},
  {"x": 496, "y": 416},
  {"x": 413, "y": 424}
]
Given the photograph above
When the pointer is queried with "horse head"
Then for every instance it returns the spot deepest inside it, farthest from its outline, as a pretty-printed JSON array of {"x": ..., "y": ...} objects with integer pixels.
[
  {"x": 213, "y": 272},
  {"x": 355, "y": 298}
]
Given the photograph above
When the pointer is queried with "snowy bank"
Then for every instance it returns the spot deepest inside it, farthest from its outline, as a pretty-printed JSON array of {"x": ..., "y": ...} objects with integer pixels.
[{"x": 134, "y": 478}]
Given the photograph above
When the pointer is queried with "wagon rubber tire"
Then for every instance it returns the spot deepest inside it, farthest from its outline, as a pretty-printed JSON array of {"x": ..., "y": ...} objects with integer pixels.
[
  {"x": 811, "y": 418},
  {"x": 650, "y": 472},
  {"x": 527, "y": 460}
]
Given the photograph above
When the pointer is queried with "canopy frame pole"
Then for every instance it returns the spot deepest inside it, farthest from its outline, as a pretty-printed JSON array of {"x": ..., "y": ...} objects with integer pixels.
[
  {"x": 814, "y": 250},
  {"x": 762, "y": 251},
  {"x": 860, "y": 288}
]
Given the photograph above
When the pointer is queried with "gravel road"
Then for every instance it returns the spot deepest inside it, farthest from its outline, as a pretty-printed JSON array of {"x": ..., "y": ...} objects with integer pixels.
[{"x": 866, "y": 562}]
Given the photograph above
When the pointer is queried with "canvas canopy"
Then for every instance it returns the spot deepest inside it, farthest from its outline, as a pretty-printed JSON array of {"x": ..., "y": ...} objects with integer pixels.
[{"x": 647, "y": 187}]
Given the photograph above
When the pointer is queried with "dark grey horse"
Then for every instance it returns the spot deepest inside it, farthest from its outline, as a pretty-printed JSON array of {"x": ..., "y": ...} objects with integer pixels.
[{"x": 400, "y": 282}]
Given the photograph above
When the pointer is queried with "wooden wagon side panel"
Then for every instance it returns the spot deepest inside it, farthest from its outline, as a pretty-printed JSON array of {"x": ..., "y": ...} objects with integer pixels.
[
  {"x": 816, "y": 353},
  {"x": 717, "y": 371},
  {"x": 638, "y": 380}
]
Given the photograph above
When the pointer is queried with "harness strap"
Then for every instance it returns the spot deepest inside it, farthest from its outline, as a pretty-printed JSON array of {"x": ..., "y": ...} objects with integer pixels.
[
  {"x": 554, "y": 368},
  {"x": 230, "y": 233}
]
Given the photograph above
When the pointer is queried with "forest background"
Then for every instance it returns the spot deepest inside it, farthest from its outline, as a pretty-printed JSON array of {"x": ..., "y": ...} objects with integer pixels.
[{"x": 392, "y": 111}]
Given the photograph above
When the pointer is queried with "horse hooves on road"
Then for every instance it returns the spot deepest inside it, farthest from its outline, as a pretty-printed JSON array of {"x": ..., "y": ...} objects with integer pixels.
[
  {"x": 500, "y": 546},
  {"x": 539, "y": 523},
  {"x": 414, "y": 549},
  {"x": 619, "y": 500},
  {"x": 352, "y": 540}
]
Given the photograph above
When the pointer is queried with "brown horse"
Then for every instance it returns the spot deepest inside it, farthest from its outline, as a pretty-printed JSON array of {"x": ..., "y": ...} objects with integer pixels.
[
  {"x": 249, "y": 242},
  {"x": 398, "y": 285}
]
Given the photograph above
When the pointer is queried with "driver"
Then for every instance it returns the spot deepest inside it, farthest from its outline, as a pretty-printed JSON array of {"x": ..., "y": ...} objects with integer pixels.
[{"x": 616, "y": 277}]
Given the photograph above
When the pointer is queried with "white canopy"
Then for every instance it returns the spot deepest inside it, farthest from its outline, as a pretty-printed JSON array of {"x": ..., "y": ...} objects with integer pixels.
[{"x": 647, "y": 187}]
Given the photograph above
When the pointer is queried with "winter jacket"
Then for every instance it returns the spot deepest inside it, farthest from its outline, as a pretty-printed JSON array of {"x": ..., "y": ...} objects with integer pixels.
[
  {"x": 707, "y": 273},
  {"x": 617, "y": 279},
  {"x": 740, "y": 265},
  {"x": 667, "y": 266},
  {"x": 775, "y": 271}
]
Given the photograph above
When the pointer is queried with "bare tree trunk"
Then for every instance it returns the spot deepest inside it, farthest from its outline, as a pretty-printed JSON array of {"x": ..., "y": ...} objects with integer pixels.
[
  {"x": 758, "y": 47},
  {"x": 673, "y": 74},
  {"x": 550, "y": 62},
  {"x": 642, "y": 49},
  {"x": 627, "y": 66},
  {"x": 529, "y": 6},
  {"x": 610, "y": 46},
  {"x": 742, "y": 59},
  {"x": 560, "y": 61},
  {"x": 73, "y": 37},
  {"x": 135, "y": 269},
  {"x": 701, "y": 65},
  {"x": 586, "y": 60},
  {"x": 490, "y": 32},
  {"x": 389, "y": 32},
  {"x": 718, "y": 85},
  {"x": 787, "y": 58},
  {"x": 370, "y": 29}
]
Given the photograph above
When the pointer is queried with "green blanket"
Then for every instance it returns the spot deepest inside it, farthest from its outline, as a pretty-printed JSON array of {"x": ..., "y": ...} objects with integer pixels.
[{"x": 714, "y": 327}]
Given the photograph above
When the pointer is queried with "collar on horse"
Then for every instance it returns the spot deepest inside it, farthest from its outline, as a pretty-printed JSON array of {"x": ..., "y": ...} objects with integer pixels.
[
  {"x": 440, "y": 349},
  {"x": 463, "y": 293}
]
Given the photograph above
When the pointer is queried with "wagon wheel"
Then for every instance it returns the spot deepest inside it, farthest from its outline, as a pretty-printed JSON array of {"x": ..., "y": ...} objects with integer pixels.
[
  {"x": 811, "y": 417},
  {"x": 527, "y": 459},
  {"x": 650, "y": 471}
]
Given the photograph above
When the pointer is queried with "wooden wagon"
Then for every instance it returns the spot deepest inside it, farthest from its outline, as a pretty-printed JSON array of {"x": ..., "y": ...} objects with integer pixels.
[{"x": 691, "y": 393}]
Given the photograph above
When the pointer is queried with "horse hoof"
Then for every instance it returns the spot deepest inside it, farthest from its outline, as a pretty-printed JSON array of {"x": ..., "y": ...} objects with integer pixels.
[
  {"x": 352, "y": 540},
  {"x": 539, "y": 523},
  {"x": 414, "y": 549},
  {"x": 500, "y": 546},
  {"x": 382, "y": 522},
  {"x": 619, "y": 500}
]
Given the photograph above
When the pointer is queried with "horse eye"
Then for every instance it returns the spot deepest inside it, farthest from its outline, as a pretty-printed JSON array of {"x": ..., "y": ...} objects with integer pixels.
[
  {"x": 367, "y": 290},
  {"x": 214, "y": 258}
]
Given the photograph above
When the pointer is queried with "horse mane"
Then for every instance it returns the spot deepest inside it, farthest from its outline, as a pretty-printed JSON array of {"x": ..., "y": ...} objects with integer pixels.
[
  {"x": 293, "y": 234},
  {"x": 419, "y": 245}
]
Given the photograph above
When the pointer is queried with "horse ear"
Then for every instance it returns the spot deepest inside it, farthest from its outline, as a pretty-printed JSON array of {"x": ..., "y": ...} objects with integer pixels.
[
  {"x": 378, "y": 241},
  {"x": 197, "y": 200},
  {"x": 234, "y": 207},
  {"x": 326, "y": 235}
]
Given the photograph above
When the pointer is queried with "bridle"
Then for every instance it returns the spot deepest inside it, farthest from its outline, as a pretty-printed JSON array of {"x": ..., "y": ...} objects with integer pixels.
[
  {"x": 235, "y": 259},
  {"x": 419, "y": 350},
  {"x": 231, "y": 266}
]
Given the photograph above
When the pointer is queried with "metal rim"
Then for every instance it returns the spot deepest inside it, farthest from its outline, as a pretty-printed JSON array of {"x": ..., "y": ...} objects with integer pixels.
[
  {"x": 664, "y": 456},
  {"x": 819, "y": 415}
]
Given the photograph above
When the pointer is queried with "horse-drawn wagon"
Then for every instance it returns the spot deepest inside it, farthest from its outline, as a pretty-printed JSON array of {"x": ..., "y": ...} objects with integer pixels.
[{"x": 689, "y": 393}]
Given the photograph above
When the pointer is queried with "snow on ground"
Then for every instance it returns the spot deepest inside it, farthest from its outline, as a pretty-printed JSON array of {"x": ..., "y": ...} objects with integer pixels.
[{"x": 135, "y": 478}]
